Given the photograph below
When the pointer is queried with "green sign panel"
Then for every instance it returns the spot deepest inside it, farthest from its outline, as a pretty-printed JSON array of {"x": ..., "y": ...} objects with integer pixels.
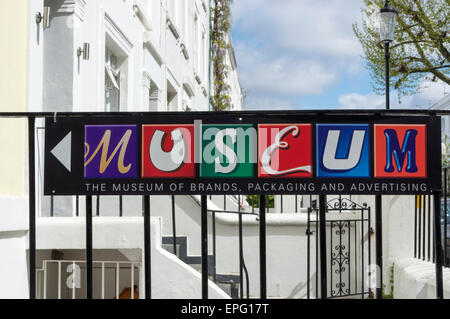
[{"x": 228, "y": 151}]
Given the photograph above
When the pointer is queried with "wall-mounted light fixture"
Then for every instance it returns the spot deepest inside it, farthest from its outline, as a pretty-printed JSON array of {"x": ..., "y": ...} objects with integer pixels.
[
  {"x": 85, "y": 51},
  {"x": 44, "y": 17}
]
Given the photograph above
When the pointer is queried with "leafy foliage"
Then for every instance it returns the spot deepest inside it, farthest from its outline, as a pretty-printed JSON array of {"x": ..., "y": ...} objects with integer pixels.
[
  {"x": 253, "y": 201},
  {"x": 446, "y": 162},
  {"x": 420, "y": 49},
  {"x": 391, "y": 281},
  {"x": 221, "y": 26}
]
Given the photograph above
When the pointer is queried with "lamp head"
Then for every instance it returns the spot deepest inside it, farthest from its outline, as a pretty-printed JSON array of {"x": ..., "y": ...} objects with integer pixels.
[{"x": 388, "y": 21}]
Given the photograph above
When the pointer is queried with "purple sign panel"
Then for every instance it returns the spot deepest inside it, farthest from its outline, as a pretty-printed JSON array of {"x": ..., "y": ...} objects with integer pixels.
[{"x": 110, "y": 151}]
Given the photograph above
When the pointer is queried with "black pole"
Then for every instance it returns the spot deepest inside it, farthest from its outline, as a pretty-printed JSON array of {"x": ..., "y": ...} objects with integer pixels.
[
  {"x": 147, "y": 248},
  {"x": 387, "y": 57},
  {"x": 437, "y": 231},
  {"x": 214, "y": 246},
  {"x": 379, "y": 244},
  {"x": 323, "y": 246},
  {"x": 262, "y": 246},
  {"x": 204, "y": 231},
  {"x": 445, "y": 217},
  {"x": 416, "y": 206},
  {"x": 241, "y": 252},
  {"x": 89, "y": 247},
  {"x": 241, "y": 259},
  {"x": 32, "y": 206},
  {"x": 98, "y": 206},
  {"x": 429, "y": 228},
  {"x": 174, "y": 227},
  {"x": 121, "y": 206}
]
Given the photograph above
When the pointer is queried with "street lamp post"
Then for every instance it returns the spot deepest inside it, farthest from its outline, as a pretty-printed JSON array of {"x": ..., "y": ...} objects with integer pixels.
[{"x": 388, "y": 19}]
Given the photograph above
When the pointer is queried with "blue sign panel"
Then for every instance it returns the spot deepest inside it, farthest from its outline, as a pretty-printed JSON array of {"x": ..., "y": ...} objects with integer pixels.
[{"x": 343, "y": 150}]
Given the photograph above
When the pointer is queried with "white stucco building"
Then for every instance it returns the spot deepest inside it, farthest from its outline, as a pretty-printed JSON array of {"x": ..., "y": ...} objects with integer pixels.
[
  {"x": 96, "y": 56},
  {"x": 153, "y": 55},
  {"x": 444, "y": 104}
]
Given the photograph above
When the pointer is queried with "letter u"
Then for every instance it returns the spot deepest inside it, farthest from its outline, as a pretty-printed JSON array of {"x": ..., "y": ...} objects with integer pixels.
[{"x": 329, "y": 155}]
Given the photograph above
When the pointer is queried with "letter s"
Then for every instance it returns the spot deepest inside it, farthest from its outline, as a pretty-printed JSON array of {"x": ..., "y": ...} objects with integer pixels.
[{"x": 226, "y": 150}]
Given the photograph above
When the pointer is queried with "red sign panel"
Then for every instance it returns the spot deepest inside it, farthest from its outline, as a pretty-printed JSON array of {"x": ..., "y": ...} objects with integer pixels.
[
  {"x": 400, "y": 151},
  {"x": 167, "y": 151},
  {"x": 285, "y": 150}
]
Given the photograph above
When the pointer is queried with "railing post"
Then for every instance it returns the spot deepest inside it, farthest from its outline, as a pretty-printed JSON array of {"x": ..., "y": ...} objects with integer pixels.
[
  {"x": 429, "y": 229},
  {"x": 241, "y": 253},
  {"x": 262, "y": 246},
  {"x": 147, "y": 248},
  {"x": 308, "y": 255},
  {"x": 416, "y": 206},
  {"x": 379, "y": 243},
  {"x": 32, "y": 206},
  {"x": 424, "y": 223},
  {"x": 121, "y": 206},
  {"x": 445, "y": 216},
  {"x": 437, "y": 231},
  {"x": 174, "y": 228},
  {"x": 214, "y": 247},
  {"x": 89, "y": 247},
  {"x": 323, "y": 246},
  {"x": 98, "y": 206},
  {"x": 204, "y": 240}
]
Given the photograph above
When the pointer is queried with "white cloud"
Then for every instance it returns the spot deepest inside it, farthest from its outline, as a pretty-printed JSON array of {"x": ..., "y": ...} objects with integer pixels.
[
  {"x": 358, "y": 101},
  {"x": 431, "y": 92},
  {"x": 312, "y": 27},
  {"x": 255, "y": 102},
  {"x": 290, "y": 48},
  {"x": 268, "y": 74}
]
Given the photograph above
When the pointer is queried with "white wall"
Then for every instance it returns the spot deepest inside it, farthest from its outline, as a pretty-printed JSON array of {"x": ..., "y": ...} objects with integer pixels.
[
  {"x": 286, "y": 244},
  {"x": 171, "y": 278},
  {"x": 13, "y": 265},
  {"x": 416, "y": 279}
]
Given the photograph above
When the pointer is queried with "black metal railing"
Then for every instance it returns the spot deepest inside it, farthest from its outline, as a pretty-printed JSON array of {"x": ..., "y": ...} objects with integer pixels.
[
  {"x": 424, "y": 230},
  {"x": 345, "y": 256},
  {"x": 243, "y": 271},
  {"x": 420, "y": 220}
]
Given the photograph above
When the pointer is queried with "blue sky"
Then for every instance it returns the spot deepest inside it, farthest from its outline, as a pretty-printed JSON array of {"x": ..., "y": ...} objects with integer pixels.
[{"x": 302, "y": 54}]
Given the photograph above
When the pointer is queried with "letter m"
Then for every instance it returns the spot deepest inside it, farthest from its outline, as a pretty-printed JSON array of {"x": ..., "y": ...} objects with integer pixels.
[
  {"x": 104, "y": 147},
  {"x": 398, "y": 155}
]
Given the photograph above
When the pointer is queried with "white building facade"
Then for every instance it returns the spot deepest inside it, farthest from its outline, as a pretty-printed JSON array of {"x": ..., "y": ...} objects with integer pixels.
[
  {"x": 153, "y": 55},
  {"x": 144, "y": 55},
  {"x": 97, "y": 56}
]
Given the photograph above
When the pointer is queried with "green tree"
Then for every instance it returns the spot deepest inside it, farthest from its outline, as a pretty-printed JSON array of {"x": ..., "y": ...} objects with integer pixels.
[
  {"x": 421, "y": 48},
  {"x": 221, "y": 27},
  {"x": 253, "y": 201}
]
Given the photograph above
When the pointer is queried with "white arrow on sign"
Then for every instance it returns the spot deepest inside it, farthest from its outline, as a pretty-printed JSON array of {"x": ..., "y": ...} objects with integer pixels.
[{"x": 63, "y": 151}]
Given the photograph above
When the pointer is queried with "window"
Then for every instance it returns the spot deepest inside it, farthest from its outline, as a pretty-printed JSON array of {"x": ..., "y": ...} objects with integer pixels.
[
  {"x": 154, "y": 97},
  {"x": 173, "y": 6},
  {"x": 196, "y": 43},
  {"x": 116, "y": 76},
  {"x": 203, "y": 55},
  {"x": 172, "y": 97},
  {"x": 112, "y": 83}
]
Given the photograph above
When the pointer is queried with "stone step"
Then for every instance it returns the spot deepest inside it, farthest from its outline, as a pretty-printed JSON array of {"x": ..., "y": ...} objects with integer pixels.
[
  {"x": 169, "y": 248},
  {"x": 228, "y": 283}
]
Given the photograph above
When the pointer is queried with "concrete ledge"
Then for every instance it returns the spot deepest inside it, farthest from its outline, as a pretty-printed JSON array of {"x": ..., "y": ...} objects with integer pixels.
[
  {"x": 13, "y": 214},
  {"x": 415, "y": 279},
  {"x": 171, "y": 278},
  {"x": 252, "y": 220}
]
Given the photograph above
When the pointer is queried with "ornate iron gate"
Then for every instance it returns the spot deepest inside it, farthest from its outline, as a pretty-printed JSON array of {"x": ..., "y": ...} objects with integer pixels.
[{"x": 348, "y": 242}]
